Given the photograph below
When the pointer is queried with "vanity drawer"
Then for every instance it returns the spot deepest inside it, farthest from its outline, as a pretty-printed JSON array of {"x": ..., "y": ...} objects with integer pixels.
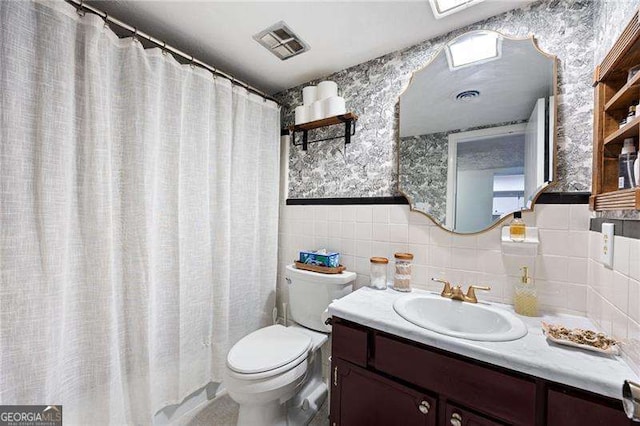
[
  {"x": 349, "y": 342},
  {"x": 497, "y": 394}
]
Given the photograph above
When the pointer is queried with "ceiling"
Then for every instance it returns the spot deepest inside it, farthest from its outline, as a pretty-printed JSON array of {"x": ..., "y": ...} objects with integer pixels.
[
  {"x": 508, "y": 86},
  {"x": 341, "y": 34}
]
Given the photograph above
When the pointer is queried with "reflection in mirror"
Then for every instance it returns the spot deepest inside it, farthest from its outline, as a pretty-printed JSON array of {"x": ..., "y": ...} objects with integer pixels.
[{"x": 477, "y": 131}]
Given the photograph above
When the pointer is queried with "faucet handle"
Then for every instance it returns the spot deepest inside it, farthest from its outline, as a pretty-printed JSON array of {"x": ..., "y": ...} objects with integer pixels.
[
  {"x": 446, "y": 291},
  {"x": 471, "y": 294}
]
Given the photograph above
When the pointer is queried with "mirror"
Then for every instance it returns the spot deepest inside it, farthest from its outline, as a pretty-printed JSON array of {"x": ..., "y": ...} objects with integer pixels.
[{"x": 477, "y": 131}]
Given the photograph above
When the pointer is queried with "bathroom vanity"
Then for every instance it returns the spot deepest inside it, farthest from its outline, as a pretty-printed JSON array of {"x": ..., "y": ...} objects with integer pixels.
[{"x": 388, "y": 371}]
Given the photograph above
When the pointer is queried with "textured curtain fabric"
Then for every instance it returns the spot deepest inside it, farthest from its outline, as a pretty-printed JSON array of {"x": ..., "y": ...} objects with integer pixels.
[{"x": 138, "y": 218}]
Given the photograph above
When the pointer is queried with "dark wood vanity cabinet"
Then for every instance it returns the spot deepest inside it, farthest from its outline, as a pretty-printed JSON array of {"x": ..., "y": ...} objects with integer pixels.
[{"x": 380, "y": 379}]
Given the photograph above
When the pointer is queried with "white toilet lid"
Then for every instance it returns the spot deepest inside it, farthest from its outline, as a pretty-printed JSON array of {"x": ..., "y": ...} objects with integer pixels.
[{"x": 266, "y": 349}]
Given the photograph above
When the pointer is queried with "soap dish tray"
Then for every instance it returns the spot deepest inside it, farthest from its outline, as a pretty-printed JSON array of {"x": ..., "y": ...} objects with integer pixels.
[
  {"x": 572, "y": 337},
  {"x": 528, "y": 247}
]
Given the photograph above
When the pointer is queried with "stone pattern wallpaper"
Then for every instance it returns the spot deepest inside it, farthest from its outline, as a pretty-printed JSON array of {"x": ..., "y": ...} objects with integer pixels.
[
  {"x": 423, "y": 172},
  {"x": 368, "y": 166}
]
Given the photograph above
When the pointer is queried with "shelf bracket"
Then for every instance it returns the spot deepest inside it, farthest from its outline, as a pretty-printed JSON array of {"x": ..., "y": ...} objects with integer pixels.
[{"x": 349, "y": 132}]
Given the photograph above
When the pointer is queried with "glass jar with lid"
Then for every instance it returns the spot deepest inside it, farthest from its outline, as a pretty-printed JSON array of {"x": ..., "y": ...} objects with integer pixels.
[
  {"x": 378, "y": 272},
  {"x": 402, "y": 275}
]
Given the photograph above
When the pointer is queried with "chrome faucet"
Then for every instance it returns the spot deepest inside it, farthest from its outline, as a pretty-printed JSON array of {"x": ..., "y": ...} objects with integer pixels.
[{"x": 456, "y": 293}]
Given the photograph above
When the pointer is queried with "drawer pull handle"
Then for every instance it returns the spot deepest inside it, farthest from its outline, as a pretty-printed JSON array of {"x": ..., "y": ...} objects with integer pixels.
[
  {"x": 456, "y": 419},
  {"x": 424, "y": 407}
]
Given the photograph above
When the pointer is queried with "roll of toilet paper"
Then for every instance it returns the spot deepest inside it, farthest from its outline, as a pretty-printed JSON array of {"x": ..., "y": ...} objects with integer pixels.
[
  {"x": 309, "y": 95},
  {"x": 302, "y": 114},
  {"x": 327, "y": 89},
  {"x": 316, "y": 111},
  {"x": 334, "y": 105}
]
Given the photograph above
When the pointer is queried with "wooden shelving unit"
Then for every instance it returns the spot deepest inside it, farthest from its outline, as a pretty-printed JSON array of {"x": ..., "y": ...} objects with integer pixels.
[
  {"x": 613, "y": 96},
  {"x": 629, "y": 130},
  {"x": 624, "y": 199},
  {"x": 623, "y": 98},
  {"x": 349, "y": 120}
]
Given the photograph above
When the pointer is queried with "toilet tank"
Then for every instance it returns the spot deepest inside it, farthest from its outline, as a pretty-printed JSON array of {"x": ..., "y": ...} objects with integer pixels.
[{"x": 310, "y": 293}]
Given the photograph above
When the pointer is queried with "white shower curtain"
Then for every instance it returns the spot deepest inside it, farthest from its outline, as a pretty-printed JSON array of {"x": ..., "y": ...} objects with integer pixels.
[{"x": 138, "y": 218}]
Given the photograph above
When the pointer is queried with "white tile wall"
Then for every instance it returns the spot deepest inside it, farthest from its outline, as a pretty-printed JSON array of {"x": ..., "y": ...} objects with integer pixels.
[
  {"x": 568, "y": 272},
  {"x": 359, "y": 232},
  {"x": 613, "y": 295}
]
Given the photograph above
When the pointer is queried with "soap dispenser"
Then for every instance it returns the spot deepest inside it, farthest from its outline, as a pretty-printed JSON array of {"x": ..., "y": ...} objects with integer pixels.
[{"x": 525, "y": 295}]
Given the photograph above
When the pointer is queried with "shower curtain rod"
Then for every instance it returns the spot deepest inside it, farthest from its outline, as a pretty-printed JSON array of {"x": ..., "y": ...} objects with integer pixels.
[{"x": 82, "y": 7}]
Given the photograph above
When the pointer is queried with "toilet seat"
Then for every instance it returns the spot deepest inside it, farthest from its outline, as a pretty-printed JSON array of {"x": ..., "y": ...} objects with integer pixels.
[
  {"x": 267, "y": 352},
  {"x": 267, "y": 374}
]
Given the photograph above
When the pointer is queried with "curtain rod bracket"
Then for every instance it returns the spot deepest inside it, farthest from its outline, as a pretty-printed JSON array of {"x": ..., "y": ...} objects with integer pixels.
[{"x": 80, "y": 11}]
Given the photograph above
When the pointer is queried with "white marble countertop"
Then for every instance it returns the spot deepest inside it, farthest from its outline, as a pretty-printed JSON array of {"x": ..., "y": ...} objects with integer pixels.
[{"x": 532, "y": 354}]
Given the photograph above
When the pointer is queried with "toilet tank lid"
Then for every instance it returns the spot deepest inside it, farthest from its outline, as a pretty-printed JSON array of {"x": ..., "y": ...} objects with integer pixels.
[{"x": 342, "y": 278}]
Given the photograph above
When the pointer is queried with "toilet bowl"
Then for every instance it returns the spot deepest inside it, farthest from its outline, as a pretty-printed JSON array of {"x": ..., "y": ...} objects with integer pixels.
[{"x": 275, "y": 373}]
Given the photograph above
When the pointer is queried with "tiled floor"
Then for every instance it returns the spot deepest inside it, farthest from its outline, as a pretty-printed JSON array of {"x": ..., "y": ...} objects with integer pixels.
[{"x": 223, "y": 411}]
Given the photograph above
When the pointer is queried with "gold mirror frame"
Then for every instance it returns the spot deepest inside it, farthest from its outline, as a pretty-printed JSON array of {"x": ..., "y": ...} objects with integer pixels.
[{"x": 554, "y": 143}]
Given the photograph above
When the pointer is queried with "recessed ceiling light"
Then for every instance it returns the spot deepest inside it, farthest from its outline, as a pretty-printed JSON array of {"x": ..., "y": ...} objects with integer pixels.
[
  {"x": 280, "y": 40},
  {"x": 473, "y": 48},
  {"x": 442, "y": 8}
]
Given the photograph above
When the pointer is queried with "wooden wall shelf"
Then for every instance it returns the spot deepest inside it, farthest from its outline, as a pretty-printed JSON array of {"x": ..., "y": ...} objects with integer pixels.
[
  {"x": 349, "y": 120},
  {"x": 329, "y": 121},
  {"x": 613, "y": 96}
]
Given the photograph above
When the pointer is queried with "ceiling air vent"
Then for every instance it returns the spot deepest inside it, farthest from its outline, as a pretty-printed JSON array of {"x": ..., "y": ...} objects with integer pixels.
[
  {"x": 281, "y": 41},
  {"x": 467, "y": 95}
]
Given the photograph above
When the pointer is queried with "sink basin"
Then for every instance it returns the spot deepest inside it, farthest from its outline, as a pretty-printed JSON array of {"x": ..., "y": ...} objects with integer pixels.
[{"x": 460, "y": 319}]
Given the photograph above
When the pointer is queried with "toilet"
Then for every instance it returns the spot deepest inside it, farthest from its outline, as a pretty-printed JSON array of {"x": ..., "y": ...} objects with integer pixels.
[{"x": 275, "y": 373}]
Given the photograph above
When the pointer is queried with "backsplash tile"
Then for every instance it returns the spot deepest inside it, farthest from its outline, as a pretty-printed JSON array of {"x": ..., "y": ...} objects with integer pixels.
[
  {"x": 382, "y": 230},
  {"x": 568, "y": 272},
  {"x": 613, "y": 297}
]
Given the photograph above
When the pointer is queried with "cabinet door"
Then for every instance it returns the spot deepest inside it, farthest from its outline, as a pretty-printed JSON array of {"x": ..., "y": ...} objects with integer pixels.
[
  {"x": 565, "y": 409},
  {"x": 457, "y": 416},
  {"x": 360, "y": 397}
]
